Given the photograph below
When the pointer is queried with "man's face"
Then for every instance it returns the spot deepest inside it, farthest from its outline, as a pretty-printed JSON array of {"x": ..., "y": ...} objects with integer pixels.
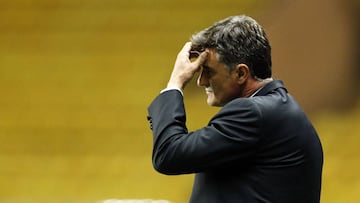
[{"x": 220, "y": 85}]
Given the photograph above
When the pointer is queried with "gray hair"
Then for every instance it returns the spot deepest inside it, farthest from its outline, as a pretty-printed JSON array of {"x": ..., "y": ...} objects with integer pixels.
[{"x": 237, "y": 39}]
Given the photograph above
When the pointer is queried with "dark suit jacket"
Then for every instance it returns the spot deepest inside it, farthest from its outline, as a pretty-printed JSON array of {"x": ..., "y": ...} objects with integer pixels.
[{"x": 257, "y": 149}]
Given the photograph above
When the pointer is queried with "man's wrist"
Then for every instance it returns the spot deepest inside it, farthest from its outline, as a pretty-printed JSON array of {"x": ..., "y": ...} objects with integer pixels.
[{"x": 168, "y": 88}]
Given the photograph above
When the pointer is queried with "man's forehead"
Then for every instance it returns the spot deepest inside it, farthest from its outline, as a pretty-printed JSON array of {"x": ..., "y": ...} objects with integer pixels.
[{"x": 213, "y": 58}]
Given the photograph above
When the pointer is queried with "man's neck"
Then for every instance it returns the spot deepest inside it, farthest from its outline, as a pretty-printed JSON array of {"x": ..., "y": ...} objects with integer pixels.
[{"x": 255, "y": 85}]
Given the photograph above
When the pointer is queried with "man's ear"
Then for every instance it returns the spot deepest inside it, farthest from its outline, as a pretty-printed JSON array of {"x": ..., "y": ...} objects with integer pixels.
[{"x": 241, "y": 73}]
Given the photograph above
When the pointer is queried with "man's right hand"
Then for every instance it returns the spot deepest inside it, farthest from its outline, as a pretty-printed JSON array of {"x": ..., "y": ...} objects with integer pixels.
[{"x": 185, "y": 69}]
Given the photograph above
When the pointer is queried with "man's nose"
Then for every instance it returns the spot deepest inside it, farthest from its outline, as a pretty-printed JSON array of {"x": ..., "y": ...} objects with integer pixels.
[{"x": 202, "y": 80}]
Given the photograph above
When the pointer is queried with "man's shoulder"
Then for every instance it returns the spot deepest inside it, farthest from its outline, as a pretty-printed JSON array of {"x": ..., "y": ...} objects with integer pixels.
[
  {"x": 246, "y": 102},
  {"x": 261, "y": 104},
  {"x": 241, "y": 106}
]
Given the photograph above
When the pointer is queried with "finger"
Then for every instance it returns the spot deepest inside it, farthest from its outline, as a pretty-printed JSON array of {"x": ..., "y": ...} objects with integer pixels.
[
  {"x": 186, "y": 49},
  {"x": 201, "y": 59}
]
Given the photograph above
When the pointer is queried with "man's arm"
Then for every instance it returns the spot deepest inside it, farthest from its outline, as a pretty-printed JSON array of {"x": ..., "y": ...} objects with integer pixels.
[{"x": 230, "y": 136}]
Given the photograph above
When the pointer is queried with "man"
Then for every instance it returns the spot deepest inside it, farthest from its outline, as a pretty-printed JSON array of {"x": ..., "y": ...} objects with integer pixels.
[{"x": 260, "y": 147}]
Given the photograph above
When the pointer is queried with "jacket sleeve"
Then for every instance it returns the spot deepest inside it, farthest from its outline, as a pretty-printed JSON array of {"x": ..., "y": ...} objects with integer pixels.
[{"x": 229, "y": 138}]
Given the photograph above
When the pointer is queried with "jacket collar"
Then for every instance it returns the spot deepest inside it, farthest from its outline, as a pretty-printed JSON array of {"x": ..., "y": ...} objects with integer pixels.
[{"x": 270, "y": 87}]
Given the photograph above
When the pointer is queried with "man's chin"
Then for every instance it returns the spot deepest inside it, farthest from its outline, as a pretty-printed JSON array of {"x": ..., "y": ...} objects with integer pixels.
[{"x": 209, "y": 102}]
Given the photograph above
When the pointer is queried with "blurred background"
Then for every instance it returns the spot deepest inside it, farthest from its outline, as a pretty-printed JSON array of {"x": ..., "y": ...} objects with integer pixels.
[{"x": 76, "y": 78}]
